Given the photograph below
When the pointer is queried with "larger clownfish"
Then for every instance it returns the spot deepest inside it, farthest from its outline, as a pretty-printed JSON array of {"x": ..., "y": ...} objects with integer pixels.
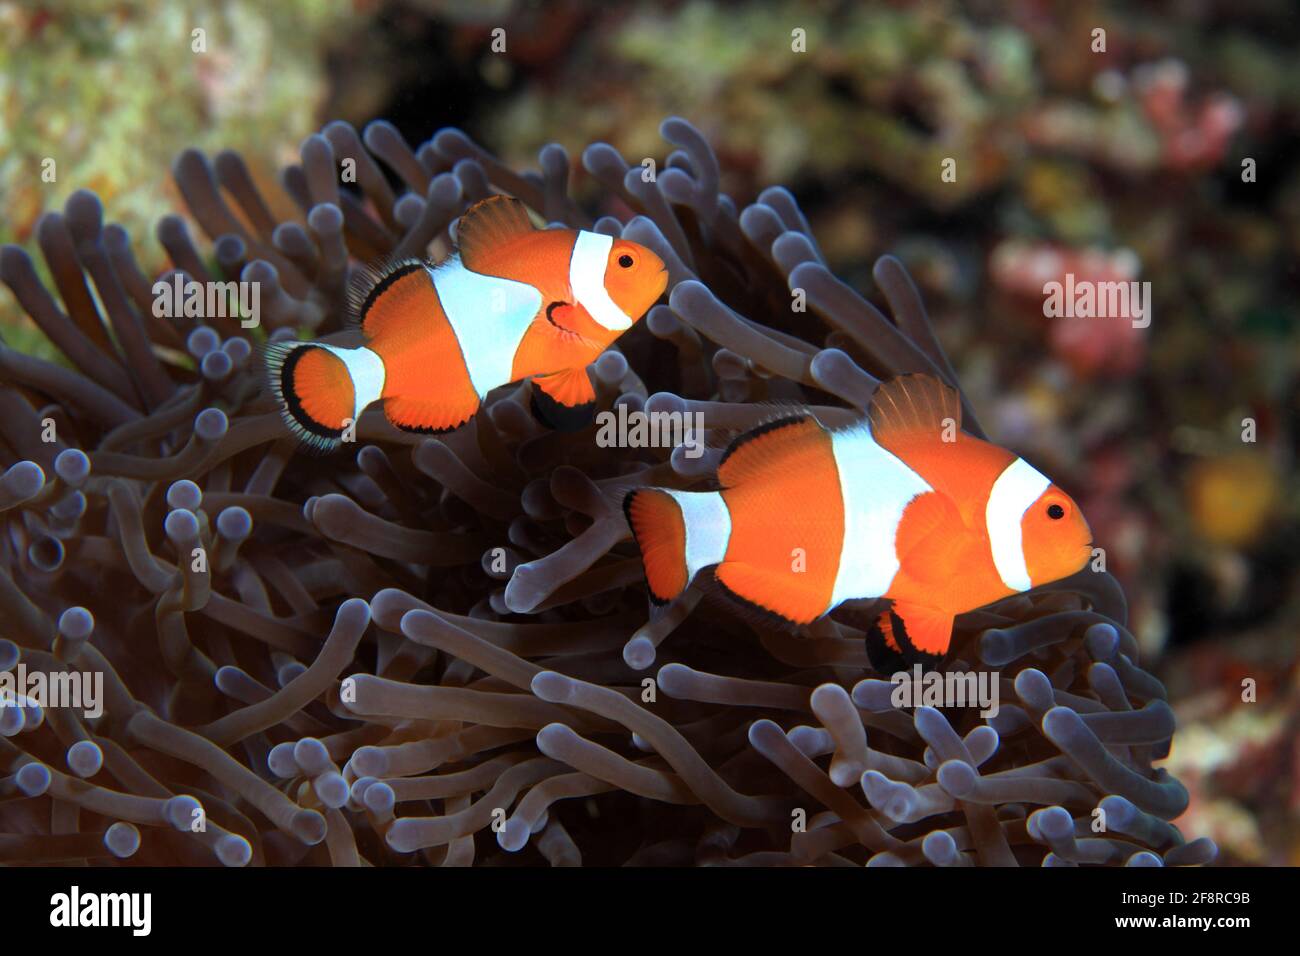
[
  {"x": 808, "y": 518},
  {"x": 515, "y": 302}
]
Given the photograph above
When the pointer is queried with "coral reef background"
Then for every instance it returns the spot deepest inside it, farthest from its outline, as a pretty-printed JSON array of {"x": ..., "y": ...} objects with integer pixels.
[{"x": 1127, "y": 162}]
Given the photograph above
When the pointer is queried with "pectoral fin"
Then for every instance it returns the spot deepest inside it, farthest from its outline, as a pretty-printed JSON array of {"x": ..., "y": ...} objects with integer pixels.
[{"x": 931, "y": 540}]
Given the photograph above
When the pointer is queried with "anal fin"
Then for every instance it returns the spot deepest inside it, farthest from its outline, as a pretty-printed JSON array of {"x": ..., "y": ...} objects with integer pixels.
[
  {"x": 564, "y": 400},
  {"x": 907, "y": 634}
]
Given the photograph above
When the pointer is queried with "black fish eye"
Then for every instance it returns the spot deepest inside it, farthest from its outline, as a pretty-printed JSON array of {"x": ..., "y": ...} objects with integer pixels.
[
  {"x": 1055, "y": 512},
  {"x": 625, "y": 261}
]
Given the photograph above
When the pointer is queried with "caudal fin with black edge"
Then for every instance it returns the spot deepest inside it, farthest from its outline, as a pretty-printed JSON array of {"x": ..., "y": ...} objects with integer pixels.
[
  {"x": 680, "y": 533},
  {"x": 659, "y": 528},
  {"x": 314, "y": 390}
]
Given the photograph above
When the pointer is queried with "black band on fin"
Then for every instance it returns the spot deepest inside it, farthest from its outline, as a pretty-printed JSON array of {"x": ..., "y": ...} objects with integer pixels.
[
  {"x": 426, "y": 429},
  {"x": 888, "y": 660},
  {"x": 295, "y": 407},
  {"x": 371, "y": 281},
  {"x": 562, "y": 418},
  {"x": 744, "y": 460},
  {"x": 741, "y": 440}
]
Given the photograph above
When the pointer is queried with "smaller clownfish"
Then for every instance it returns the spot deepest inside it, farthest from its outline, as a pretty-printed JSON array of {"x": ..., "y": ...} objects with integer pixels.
[
  {"x": 514, "y": 302},
  {"x": 902, "y": 506}
]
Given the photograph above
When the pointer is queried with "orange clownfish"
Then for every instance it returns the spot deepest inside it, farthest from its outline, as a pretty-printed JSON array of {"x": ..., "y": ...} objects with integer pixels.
[
  {"x": 808, "y": 518},
  {"x": 514, "y": 302}
]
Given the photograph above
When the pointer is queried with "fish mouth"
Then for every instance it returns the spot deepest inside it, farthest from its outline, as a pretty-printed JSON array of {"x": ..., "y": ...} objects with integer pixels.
[{"x": 662, "y": 278}]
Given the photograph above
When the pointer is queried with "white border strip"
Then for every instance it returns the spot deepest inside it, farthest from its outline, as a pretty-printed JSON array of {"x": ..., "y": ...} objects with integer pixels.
[
  {"x": 587, "y": 280},
  {"x": 366, "y": 369},
  {"x": 708, "y": 527},
  {"x": 876, "y": 487},
  {"x": 1018, "y": 487},
  {"x": 489, "y": 316}
]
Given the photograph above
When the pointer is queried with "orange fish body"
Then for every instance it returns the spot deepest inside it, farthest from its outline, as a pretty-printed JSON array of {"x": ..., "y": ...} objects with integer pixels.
[
  {"x": 514, "y": 303},
  {"x": 903, "y": 506}
]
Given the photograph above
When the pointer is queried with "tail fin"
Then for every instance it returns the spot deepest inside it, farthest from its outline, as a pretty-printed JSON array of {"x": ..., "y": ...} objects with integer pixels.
[
  {"x": 679, "y": 533},
  {"x": 313, "y": 386}
]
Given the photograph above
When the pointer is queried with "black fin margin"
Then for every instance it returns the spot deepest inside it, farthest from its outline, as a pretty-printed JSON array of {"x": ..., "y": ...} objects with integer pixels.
[
  {"x": 655, "y": 600},
  {"x": 741, "y": 440},
  {"x": 278, "y": 361},
  {"x": 886, "y": 659},
  {"x": 751, "y": 611},
  {"x": 369, "y": 282},
  {"x": 429, "y": 429},
  {"x": 562, "y": 418}
]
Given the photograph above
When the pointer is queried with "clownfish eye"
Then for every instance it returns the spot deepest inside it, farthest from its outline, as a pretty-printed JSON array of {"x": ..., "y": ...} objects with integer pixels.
[
  {"x": 625, "y": 261},
  {"x": 1055, "y": 512}
]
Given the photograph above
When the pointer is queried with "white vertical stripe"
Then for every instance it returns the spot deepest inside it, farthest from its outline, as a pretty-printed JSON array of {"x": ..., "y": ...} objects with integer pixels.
[
  {"x": 876, "y": 486},
  {"x": 587, "y": 280},
  {"x": 366, "y": 369},
  {"x": 708, "y": 527},
  {"x": 1018, "y": 487},
  {"x": 489, "y": 316}
]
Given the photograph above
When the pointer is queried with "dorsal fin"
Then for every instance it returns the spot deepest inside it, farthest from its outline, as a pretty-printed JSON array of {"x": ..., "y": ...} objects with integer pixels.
[
  {"x": 369, "y": 283},
  {"x": 489, "y": 223},
  {"x": 914, "y": 407},
  {"x": 756, "y": 448}
]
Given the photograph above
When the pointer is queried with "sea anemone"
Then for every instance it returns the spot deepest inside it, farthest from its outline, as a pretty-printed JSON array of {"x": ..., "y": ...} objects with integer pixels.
[{"x": 438, "y": 650}]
